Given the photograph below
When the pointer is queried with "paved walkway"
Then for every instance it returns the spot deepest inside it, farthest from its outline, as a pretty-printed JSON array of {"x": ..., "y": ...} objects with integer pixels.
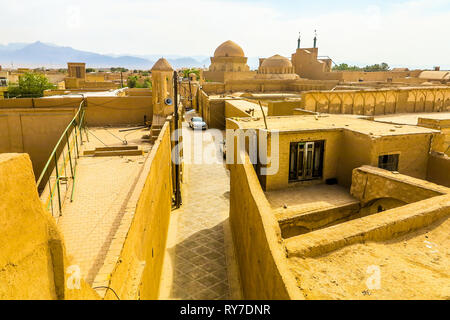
[
  {"x": 199, "y": 262},
  {"x": 101, "y": 213}
]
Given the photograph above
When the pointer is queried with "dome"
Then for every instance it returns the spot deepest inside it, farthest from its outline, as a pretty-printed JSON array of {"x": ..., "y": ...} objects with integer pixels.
[
  {"x": 162, "y": 65},
  {"x": 229, "y": 49},
  {"x": 276, "y": 61}
]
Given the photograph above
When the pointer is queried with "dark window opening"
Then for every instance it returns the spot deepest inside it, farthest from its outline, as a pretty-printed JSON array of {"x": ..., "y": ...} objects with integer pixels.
[
  {"x": 388, "y": 162},
  {"x": 306, "y": 160},
  {"x": 78, "y": 72}
]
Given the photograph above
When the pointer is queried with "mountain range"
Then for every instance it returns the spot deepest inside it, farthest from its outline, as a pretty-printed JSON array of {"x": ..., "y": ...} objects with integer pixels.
[{"x": 39, "y": 54}]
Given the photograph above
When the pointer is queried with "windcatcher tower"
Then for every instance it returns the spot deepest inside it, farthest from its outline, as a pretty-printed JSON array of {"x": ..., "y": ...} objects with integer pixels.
[{"x": 162, "y": 91}]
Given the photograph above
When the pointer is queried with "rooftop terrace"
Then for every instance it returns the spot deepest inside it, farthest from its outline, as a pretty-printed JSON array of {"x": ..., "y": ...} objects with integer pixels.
[{"x": 332, "y": 122}]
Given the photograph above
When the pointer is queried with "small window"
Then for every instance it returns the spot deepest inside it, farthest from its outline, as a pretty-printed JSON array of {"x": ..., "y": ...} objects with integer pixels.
[
  {"x": 388, "y": 162},
  {"x": 306, "y": 160}
]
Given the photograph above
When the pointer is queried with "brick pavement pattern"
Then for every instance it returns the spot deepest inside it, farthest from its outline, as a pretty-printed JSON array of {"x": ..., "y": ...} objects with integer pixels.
[
  {"x": 100, "y": 214},
  {"x": 199, "y": 258}
]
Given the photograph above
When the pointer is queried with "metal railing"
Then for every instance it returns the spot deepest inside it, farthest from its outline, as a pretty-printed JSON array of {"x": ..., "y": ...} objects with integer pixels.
[{"x": 62, "y": 163}]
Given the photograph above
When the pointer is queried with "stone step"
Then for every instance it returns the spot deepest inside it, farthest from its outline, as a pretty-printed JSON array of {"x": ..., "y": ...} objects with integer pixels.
[
  {"x": 113, "y": 148},
  {"x": 118, "y": 153}
]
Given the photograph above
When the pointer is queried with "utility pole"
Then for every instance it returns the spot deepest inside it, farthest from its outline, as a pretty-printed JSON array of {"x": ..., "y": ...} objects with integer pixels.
[{"x": 177, "y": 154}]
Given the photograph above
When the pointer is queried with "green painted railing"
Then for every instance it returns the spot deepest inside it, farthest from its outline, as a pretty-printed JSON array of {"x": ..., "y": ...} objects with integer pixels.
[{"x": 62, "y": 163}]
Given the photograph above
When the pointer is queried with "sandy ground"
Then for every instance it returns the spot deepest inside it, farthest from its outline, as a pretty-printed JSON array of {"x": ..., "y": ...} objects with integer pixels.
[{"x": 415, "y": 266}]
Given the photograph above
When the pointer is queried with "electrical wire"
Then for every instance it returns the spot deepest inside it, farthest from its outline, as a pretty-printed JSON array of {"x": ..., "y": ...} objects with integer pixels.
[
  {"x": 104, "y": 287},
  {"x": 96, "y": 137}
]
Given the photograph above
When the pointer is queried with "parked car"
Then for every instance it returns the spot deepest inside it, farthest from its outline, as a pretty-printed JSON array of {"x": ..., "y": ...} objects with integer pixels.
[{"x": 197, "y": 123}]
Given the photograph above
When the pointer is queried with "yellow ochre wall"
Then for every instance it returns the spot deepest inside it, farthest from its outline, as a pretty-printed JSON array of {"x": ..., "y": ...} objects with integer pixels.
[
  {"x": 33, "y": 131},
  {"x": 330, "y": 164},
  {"x": 118, "y": 110},
  {"x": 371, "y": 183},
  {"x": 138, "y": 272},
  {"x": 33, "y": 261},
  {"x": 439, "y": 169},
  {"x": 34, "y": 126},
  {"x": 257, "y": 239},
  {"x": 346, "y": 150},
  {"x": 378, "y": 102}
]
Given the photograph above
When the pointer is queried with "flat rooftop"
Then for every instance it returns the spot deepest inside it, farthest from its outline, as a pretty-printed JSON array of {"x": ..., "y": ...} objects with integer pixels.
[
  {"x": 414, "y": 266},
  {"x": 412, "y": 118},
  {"x": 245, "y": 105},
  {"x": 293, "y": 201},
  {"x": 95, "y": 224},
  {"x": 298, "y": 123}
]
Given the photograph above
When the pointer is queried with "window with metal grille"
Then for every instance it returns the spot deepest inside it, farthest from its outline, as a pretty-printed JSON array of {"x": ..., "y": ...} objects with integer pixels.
[
  {"x": 388, "y": 162},
  {"x": 306, "y": 160}
]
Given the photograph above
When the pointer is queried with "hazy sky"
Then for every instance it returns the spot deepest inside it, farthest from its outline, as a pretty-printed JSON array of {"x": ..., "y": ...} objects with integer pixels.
[{"x": 412, "y": 33}]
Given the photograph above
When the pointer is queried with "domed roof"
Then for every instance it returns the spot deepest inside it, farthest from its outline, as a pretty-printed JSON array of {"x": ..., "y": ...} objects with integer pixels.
[
  {"x": 162, "y": 65},
  {"x": 276, "y": 61},
  {"x": 229, "y": 49}
]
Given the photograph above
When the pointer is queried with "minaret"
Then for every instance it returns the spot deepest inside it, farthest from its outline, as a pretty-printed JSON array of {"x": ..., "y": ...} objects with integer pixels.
[
  {"x": 315, "y": 38},
  {"x": 298, "y": 41}
]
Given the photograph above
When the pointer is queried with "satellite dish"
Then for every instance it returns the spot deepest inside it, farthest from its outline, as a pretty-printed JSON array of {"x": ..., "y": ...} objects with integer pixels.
[{"x": 168, "y": 101}]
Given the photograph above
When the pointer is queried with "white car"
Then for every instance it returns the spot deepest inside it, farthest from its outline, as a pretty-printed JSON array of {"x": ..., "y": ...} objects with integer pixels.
[{"x": 197, "y": 123}]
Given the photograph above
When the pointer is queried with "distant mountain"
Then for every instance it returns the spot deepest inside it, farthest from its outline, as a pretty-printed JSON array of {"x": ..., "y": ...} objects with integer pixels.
[
  {"x": 40, "y": 54},
  {"x": 13, "y": 46}
]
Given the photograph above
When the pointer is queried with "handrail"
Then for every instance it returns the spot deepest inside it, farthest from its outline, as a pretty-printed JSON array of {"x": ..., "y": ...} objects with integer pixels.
[{"x": 73, "y": 149}]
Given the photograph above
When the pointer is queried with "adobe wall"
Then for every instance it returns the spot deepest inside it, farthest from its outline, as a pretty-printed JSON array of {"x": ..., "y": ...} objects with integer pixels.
[
  {"x": 359, "y": 149},
  {"x": 438, "y": 170},
  {"x": 138, "y": 271},
  {"x": 439, "y": 124},
  {"x": 257, "y": 239},
  {"x": 33, "y": 260},
  {"x": 377, "y": 227},
  {"x": 138, "y": 92},
  {"x": 426, "y": 203},
  {"x": 101, "y": 111},
  {"x": 346, "y": 150},
  {"x": 33, "y": 131},
  {"x": 333, "y": 142},
  {"x": 283, "y": 108},
  {"x": 233, "y": 112},
  {"x": 113, "y": 111},
  {"x": 370, "y": 183},
  {"x": 355, "y": 151},
  {"x": 267, "y": 85},
  {"x": 378, "y": 102}
]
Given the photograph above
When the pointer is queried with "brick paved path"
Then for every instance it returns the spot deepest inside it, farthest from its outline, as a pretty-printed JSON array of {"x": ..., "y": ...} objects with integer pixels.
[
  {"x": 202, "y": 265},
  {"x": 101, "y": 212}
]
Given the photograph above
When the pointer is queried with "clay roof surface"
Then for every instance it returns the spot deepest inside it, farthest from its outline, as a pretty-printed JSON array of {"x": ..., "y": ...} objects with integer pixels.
[
  {"x": 162, "y": 65},
  {"x": 229, "y": 49}
]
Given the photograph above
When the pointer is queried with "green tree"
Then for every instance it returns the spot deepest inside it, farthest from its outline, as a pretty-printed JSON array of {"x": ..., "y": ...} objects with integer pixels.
[
  {"x": 132, "y": 81},
  {"x": 377, "y": 67},
  {"x": 88, "y": 70},
  {"x": 186, "y": 72},
  {"x": 147, "y": 83},
  {"x": 30, "y": 85},
  {"x": 346, "y": 67},
  {"x": 369, "y": 68},
  {"x": 119, "y": 69}
]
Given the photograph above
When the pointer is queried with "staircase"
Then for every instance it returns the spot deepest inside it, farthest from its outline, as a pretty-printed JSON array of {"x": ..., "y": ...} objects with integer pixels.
[{"x": 155, "y": 131}]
